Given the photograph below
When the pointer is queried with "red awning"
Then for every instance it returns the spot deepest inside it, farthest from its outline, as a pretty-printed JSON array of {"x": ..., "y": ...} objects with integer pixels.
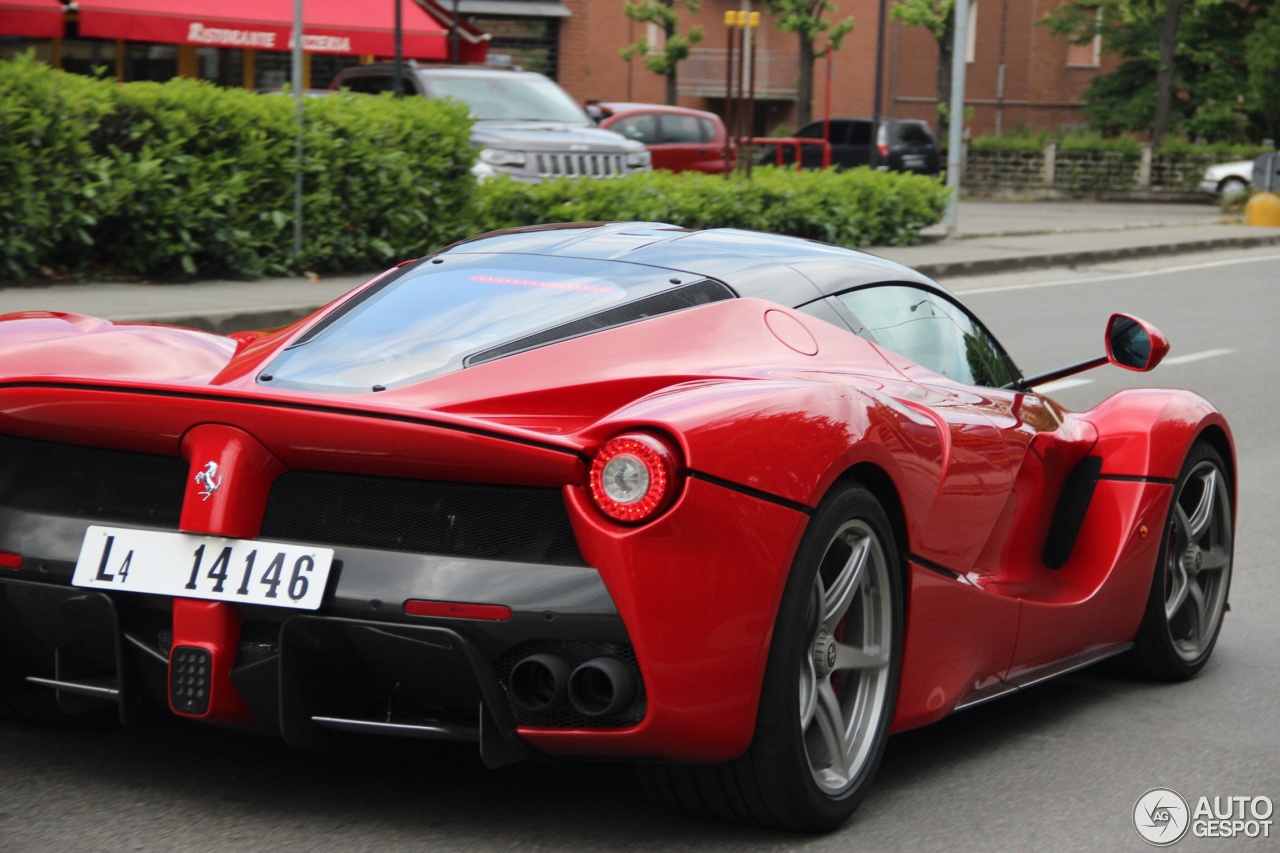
[
  {"x": 42, "y": 19},
  {"x": 329, "y": 26}
]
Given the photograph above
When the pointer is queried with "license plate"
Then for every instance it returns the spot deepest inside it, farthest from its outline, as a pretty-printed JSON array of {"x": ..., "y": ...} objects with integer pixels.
[
  {"x": 913, "y": 161},
  {"x": 184, "y": 565}
]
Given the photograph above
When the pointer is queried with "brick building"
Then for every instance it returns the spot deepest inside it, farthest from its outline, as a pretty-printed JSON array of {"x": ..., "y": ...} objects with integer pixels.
[{"x": 1019, "y": 74}]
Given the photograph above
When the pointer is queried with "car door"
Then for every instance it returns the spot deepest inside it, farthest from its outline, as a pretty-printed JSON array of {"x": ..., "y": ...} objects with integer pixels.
[
  {"x": 686, "y": 143},
  {"x": 955, "y": 369}
]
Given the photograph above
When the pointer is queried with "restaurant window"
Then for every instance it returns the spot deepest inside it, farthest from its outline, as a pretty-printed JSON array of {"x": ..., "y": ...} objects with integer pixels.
[{"x": 157, "y": 62}]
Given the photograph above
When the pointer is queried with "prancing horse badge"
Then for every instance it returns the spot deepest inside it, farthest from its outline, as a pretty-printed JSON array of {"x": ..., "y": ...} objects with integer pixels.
[{"x": 208, "y": 480}]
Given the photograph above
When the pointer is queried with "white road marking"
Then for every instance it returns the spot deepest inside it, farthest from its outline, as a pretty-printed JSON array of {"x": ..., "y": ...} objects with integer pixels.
[
  {"x": 1063, "y": 282},
  {"x": 1197, "y": 356},
  {"x": 1061, "y": 384}
]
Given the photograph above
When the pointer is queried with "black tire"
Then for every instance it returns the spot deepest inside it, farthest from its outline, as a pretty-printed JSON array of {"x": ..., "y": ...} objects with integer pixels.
[
  {"x": 1232, "y": 190},
  {"x": 788, "y": 778},
  {"x": 1192, "y": 577}
]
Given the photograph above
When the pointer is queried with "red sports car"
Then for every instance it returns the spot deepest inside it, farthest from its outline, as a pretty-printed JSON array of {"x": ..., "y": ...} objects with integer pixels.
[{"x": 730, "y": 505}]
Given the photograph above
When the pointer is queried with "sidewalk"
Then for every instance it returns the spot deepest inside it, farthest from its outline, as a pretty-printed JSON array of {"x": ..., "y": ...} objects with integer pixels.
[{"x": 992, "y": 236}]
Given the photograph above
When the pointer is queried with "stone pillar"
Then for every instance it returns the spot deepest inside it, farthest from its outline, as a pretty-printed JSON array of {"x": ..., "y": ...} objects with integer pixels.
[{"x": 1050, "y": 163}]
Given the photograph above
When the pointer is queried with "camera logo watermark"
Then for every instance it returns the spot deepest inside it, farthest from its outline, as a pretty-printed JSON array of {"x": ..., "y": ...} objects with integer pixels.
[{"x": 1162, "y": 817}]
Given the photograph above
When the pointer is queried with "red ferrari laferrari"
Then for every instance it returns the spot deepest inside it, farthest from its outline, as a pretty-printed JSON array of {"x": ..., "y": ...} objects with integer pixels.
[{"x": 729, "y": 505}]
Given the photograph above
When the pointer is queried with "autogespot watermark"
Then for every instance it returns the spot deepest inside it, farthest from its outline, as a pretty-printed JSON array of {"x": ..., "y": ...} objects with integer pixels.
[{"x": 1162, "y": 817}]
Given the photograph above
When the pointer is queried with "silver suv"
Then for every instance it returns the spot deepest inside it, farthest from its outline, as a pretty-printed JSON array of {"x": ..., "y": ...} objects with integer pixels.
[{"x": 525, "y": 125}]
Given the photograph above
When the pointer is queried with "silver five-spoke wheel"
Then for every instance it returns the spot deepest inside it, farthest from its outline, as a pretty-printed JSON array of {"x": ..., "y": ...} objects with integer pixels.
[
  {"x": 845, "y": 674},
  {"x": 1193, "y": 577}
]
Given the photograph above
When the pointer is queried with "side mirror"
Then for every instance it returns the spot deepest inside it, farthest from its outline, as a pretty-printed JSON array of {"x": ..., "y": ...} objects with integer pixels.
[
  {"x": 596, "y": 112},
  {"x": 1134, "y": 344}
]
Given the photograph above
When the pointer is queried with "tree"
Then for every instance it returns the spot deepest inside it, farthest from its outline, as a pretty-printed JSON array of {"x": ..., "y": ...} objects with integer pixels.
[
  {"x": 808, "y": 20},
  {"x": 676, "y": 46},
  {"x": 1182, "y": 64},
  {"x": 1262, "y": 58},
  {"x": 939, "y": 18}
]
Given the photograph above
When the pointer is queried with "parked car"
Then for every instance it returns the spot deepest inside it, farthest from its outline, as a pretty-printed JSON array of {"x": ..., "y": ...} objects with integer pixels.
[
  {"x": 1228, "y": 181},
  {"x": 733, "y": 505},
  {"x": 679, "y": 139},
  {"x": 903, "y": 145},
  {"x": 526, "y": 126}
]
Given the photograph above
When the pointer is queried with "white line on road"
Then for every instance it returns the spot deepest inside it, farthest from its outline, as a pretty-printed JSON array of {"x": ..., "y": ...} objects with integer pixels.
[
  {"x": 1062, "y": 282},
  {"x": 1197, "y": 356}
]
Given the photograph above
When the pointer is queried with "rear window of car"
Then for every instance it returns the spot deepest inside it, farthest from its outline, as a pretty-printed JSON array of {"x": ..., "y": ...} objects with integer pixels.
[
  {"x": 913, "y": 133},
  {"x": 439, "y": 317}
]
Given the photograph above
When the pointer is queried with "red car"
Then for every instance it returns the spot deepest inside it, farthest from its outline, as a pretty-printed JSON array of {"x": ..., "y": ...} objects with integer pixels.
[
  {"x": 732, "y": 505},
  {"x": 678, "y": 139}
]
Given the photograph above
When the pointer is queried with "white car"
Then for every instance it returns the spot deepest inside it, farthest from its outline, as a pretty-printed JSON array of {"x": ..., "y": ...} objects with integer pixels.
[{"x": 1228, "y": 181}]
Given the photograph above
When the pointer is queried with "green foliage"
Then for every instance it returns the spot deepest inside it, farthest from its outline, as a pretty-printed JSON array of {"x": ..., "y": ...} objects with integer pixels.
[
  {"x": 1021, "y": 141},
  {"x": 1211, "y": 67},
  {"x": 934, "y": 15},
  {"x": 808, "y": 19},
  {"x": 677, "y": 47},
  {"x": 1262, "y": 58},
  {"x": 859, "y": 207},
  {"x": 1172, "y": 146},
  {"x": 184, "y": 178}
]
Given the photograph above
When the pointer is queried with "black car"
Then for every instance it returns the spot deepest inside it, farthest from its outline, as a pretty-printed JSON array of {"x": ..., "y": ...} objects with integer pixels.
[{"x": 905, "y": 145}]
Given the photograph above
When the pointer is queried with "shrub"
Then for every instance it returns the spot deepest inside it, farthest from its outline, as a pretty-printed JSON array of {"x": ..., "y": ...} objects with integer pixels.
[
  {"x": 859, "y": 207},
  {"x": 185, "y": 178}
]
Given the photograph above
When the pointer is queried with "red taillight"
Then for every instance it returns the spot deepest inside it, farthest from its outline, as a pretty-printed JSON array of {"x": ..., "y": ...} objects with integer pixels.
[
  {"x": 633, "y": 477},
  {"x": 458, "y": 610},
  {"x": 10, "y": 561},
  {"x": 884, "y": 152}
]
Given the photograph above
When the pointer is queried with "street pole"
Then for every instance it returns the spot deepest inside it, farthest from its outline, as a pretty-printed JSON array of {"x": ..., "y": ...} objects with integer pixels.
[
  {"x": 297, "y": 96},
  {"x": 955, "y": 139},
  {"x": 455, "y": 47},
  {"x": 878, "y": 109},
  {"x": 398, "y": 74},
  {"x": 753, "y": 21},
  {"x": 730, "y": 18}
]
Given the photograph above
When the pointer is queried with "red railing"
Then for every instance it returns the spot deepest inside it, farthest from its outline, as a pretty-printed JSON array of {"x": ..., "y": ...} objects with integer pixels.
[{"x": 780, "y": 143}]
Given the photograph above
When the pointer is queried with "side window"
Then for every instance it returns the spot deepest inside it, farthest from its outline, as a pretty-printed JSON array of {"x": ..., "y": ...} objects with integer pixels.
[
  {"x": 682, "y": 129},
  {"x": 932, "y": 331},
  {"x": 369, "y": 85},
  {"x": 859, "y": 133},
  {"x": 641, "y": 128}
]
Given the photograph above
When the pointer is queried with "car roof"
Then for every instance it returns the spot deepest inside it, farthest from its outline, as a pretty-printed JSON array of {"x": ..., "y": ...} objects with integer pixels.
[
  {"x": 622, "y": 108},
  {"x": 788, "y": 270}
]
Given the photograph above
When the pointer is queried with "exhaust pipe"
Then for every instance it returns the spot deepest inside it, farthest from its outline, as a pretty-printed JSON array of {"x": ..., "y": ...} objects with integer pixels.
[
  {"x": 539, "y": 682},
  {"x": 602, "y": 687}
]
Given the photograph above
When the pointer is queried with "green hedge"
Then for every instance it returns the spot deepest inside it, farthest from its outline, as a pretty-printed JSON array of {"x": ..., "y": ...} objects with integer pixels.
[
  {"x": 1092, "y": 141},
  {"x": 853, "y": 208},
  {"x": 184, "y": 179}
]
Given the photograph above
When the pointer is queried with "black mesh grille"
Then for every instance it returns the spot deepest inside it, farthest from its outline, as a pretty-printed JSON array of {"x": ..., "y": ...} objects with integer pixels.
[
  {"x": 516, "y": 523},
  {"x": 698, "y": 293},
  {"x": 88, "y": 482}
]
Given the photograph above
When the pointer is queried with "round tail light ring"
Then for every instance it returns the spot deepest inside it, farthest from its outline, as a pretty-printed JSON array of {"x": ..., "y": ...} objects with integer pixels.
[{"x": 634, "y": 477}]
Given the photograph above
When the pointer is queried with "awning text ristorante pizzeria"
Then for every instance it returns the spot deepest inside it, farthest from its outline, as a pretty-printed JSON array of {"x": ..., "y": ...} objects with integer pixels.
[{"x": 264, "y": 40}]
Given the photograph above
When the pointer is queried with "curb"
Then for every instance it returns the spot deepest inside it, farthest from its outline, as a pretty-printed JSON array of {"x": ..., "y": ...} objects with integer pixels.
[{"x": 951, "y": 269}]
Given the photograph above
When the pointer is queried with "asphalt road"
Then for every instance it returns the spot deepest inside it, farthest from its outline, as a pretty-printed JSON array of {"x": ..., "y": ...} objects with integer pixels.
[{"x": 1058, "y": 767}]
